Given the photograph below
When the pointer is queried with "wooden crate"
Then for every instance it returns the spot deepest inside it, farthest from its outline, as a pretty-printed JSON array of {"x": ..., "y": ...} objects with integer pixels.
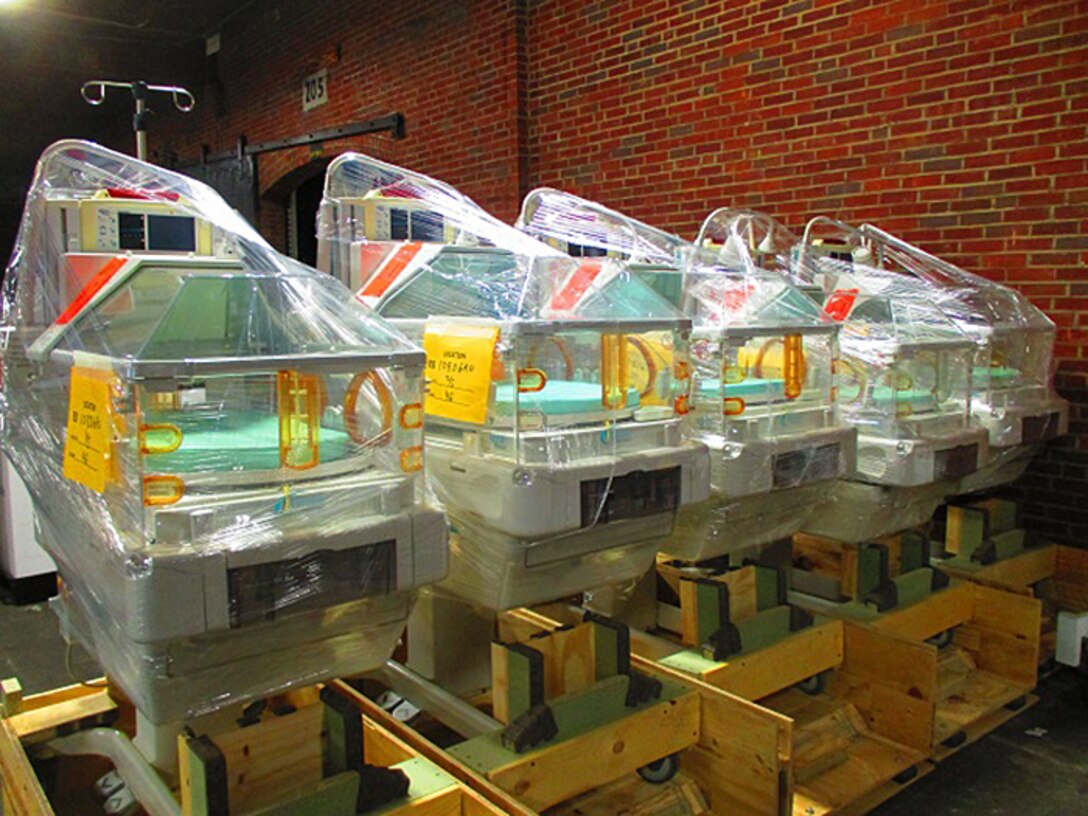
[
  {"x": 769, "y": 748},
  {"x": 31, "y": 722},
  {"x": 946, "y": 697},
  {"x": 1056, "y": 574}
]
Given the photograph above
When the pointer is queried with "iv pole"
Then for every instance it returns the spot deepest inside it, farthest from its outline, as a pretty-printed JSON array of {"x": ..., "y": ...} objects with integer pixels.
[{"x": 183, "y": 101}]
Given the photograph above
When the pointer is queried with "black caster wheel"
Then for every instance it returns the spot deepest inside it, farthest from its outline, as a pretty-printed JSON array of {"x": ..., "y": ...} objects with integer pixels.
[
  {"x": 813, "y": 685},
  {"x": 941, "y": 639},
  {"x": 660, "y": 772},
  {"x": 903, "y": 777}
]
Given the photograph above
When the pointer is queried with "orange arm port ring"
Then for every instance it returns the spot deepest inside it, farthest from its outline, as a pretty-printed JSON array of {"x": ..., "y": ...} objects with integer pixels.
[
  {"x": 568, "y": 359},
  {"x": 351, "y": 403},
  {"x": 651, "y": 366}
]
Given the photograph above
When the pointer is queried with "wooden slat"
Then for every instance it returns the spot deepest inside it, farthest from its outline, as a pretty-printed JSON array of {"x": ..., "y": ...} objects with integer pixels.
[
  {"x": 1071, "y": 578},
  {"x": 1018, "y": 573},
  {"x": 1009, "y": 631},
  {"x": 475, "y": 782},
  {"x": 557, "y": 772},
  {"x": 448, "y": 802},
  {"x": 830, "y": 558},
  {"x": 40, "y": 722},
  {"x": 798, "y": 657},
  {"x": 267, "y": 760},
  {"x": 22, "y": 793},
  {"x": 892, "y": 681},
  {"x": 568, "y": 660},
  {"x": 632, "y": 796},
  {"x": 943, "y": 610}
]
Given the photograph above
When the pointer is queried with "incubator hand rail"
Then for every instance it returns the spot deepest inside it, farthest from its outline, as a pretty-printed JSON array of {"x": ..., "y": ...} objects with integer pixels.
[{"x": 871, "y": 232}]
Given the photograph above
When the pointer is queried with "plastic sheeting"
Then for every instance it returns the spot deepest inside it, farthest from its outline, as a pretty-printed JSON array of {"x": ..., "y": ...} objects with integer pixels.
[
  {"x": 557, "y": 387},
  {"x": 1012, "y": 388},
  {"x": 762, "y": 365},
  {"x": 225, "y": 449}
]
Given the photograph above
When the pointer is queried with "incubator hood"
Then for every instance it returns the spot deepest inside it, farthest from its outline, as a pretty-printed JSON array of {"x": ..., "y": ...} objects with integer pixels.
[
  {"x": 224, "y": 448},
  {"x": 557, "y": 387},
  {"x": 1012, "y": 392},
  {"x": 762, "y": 354}
]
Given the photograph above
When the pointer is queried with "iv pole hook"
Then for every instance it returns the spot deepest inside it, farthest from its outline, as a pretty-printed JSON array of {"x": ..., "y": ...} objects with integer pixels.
[{"x": 94, "y": 93}]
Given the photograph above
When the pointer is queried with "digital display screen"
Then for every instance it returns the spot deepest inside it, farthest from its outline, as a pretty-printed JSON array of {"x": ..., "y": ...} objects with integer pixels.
[
  {"x": 398, "y": 225},
  {"x": 164, "y": 233},
  {"x": 171, "y": 233},
  {"x": 427, "y": 226},
  {"x": 130, "y": 231}
]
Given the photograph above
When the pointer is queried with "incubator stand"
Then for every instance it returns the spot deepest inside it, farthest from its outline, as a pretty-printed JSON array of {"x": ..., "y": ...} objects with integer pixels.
[
  {"x": 762, "y": 352},
  {"x": 225, "y": 450},
  {"x": 1013, "y": 396},
  {"x": 556, "y": 387},
  {"x": 904, "y": 381}
]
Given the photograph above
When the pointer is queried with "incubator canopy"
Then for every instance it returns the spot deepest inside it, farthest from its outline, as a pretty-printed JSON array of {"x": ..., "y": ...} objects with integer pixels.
[
  {"x": 552, "y": 381},
  {"x": 225, "y": 444},
  {"x": 1012, "y": 371},
  {"x": 761, "y": 352}
]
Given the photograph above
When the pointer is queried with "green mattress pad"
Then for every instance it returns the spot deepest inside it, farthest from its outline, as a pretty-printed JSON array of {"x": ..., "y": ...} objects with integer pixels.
[
  {"x": 750, "y": 389},
  {"x": 883, "y": 395},
  {"x": 558, "y": 397},
  {"x": 247, "y": 441},
  {"x": 994, "y": 375}
]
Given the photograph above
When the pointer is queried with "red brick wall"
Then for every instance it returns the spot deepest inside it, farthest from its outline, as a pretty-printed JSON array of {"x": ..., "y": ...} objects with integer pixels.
[
  {"x": 450, "y": 67},
  {"x": 959, "y": 124}
]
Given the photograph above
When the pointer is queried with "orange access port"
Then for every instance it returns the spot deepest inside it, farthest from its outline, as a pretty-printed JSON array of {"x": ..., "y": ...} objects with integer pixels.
[
  {"x": 531, "y": 380},
  {"x": 411, "y": 416},
  {"x": 168, "y": 438},
  {"x": 411, "y": 459},
  {"x": 160, "y": 491},
  {"x": 733, "y": 406}
]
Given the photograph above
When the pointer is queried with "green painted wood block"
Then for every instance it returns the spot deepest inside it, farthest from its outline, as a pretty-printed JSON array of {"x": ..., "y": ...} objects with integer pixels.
[
  {"x": 872, "y": 568},
  {"x": 768, "y": 591},
  {"x": 575, "y": 714},
  {"x": 333, "y": 796},
  {"x": 1009, "y": 543},
  {"x": 914, "y": 586},
  {"x": 708, "y": 608},
  {"x": 912, "y": 551},
  {"x": 764, "y": 628}
]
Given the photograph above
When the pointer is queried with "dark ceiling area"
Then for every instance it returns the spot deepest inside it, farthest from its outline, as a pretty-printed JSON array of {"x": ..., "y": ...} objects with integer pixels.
[
  {"x": 176, "y": 21},
  {"x": 49, "y": 48}
]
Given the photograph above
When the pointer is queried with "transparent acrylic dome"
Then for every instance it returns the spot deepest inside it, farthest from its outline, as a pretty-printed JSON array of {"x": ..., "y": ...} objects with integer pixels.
[
  {"x": 219, "y": 439},
  {"x": 549, "y": 377},
  {"x": 905, "y": 373},
  {"x": 761, "y": 352}
]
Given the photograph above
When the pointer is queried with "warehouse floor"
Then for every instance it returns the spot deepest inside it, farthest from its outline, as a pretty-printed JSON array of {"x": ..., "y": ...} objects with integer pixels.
[{"x": 1037, "y": 763}]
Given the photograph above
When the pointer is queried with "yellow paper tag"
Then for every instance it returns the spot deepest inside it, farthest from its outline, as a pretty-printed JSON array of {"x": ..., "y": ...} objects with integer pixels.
[
  {"x": 87, "y": 445},
  {"x": 459, "y": 370}
]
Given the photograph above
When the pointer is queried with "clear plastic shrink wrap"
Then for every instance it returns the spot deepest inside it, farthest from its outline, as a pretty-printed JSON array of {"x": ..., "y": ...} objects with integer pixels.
[
  {"x": 1012, "y": 394},
  {"x": 223, "y": 447},
  {"x": 557, "y": 387},
  {"x": 904, "y": 381},
  {"x": 762, "y": 352}
]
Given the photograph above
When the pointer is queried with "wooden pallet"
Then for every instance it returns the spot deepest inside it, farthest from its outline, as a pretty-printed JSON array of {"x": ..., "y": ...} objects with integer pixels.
[
  {"x": 827, "y": 757},
  {"x": 254, "y": 781}
]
